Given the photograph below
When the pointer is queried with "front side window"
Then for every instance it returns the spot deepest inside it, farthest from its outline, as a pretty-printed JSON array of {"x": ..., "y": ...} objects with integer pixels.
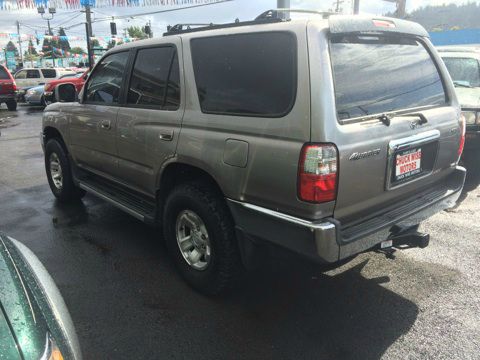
[
  {"x": 4, "y": 74},
  {"x": 378, "y": 74},
  {"x": 246, "y": 74},
  {"x": 106, "y": 80},
  {"x": 33, "y": 74},
  {"x": 22, "y": 74},
  {"x": 464, "y": 71},
  {"x": 49, "y": 73},
  {"x": 155, "y": 79}
]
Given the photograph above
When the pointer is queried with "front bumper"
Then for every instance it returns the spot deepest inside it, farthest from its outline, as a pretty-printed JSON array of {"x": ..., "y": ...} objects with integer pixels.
[{"x": 328, "y": 240}]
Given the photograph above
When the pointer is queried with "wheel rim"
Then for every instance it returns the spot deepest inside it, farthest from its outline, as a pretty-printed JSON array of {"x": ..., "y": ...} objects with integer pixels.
[
  {"x": 56, "y": 171},
  {"x": 193, "y": 240}
]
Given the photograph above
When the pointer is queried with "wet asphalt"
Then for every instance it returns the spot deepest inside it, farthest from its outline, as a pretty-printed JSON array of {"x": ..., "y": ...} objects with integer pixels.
[{"x": 127, "y": 301}]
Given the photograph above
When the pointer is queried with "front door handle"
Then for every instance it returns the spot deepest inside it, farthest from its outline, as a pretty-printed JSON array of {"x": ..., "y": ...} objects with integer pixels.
[
  {"x": 106, "y": 124},
  {"x": 166, "y": 135}
]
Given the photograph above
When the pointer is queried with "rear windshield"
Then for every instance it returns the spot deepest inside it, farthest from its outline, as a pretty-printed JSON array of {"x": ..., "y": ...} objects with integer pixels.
[
  {"x": 3, "y": 74},
  {"x": 375, "y": 74},
  {"x": 464, "y": 71}
]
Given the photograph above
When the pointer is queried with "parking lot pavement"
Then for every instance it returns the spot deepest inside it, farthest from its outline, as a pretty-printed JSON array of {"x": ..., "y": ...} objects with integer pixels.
[{"x": 128, "y": 303}]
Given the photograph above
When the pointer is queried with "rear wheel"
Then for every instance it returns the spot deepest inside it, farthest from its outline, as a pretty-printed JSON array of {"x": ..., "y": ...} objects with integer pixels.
[
  {"x": 59, "y": 173},
  {"x": 11, "y": 105},
  {"x": 200, "y": 237}
]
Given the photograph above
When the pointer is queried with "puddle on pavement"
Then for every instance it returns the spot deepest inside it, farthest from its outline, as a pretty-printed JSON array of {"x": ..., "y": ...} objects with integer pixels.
[{"x": 7, "y": 122}]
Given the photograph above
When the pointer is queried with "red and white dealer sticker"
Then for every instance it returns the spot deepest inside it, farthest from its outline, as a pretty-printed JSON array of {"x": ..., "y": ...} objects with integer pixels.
[{"x": 408, "y": 164}]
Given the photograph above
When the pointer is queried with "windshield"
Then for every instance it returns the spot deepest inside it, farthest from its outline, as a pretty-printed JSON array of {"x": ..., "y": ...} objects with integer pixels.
[
  {"x": 464, "y": 71},
  {"x": 375, "y": 74}
]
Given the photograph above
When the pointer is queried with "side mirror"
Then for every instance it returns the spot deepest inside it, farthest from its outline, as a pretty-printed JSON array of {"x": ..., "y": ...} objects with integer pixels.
[{"x": 65, "y": 93}]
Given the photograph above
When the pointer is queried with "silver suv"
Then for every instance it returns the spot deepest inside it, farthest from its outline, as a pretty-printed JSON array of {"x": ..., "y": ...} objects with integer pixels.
[{"x": 328, "y": 137}]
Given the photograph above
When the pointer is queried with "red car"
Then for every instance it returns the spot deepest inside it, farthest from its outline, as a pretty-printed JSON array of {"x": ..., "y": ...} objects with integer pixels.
[
  {"x": 8, "y": 89},
  {"x": 76, "y": 81}
]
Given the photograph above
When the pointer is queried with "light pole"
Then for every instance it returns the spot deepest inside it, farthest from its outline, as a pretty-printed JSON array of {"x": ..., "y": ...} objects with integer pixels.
[{"x": 51, "y": 12}]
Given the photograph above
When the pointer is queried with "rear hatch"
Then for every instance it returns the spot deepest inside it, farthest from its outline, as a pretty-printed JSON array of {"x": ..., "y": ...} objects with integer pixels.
[
  {"x": 7, "y": 85},
  {"x": 395, "y": 128}
]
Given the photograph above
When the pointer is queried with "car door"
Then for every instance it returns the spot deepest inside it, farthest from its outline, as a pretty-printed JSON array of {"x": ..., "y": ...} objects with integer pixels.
[
  {"x": 34, "y": 78},
  {"x": 21, "y": 78},
  {"x": 149, "y": 124},
  {"x": 93, "y": 121}
]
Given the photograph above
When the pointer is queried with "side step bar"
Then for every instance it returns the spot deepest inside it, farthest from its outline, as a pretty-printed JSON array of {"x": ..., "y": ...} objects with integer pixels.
[{"x": 133, "y": 205}]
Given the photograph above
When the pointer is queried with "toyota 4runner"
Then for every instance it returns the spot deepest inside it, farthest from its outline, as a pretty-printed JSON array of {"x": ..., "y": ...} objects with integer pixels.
[{"x": 326, "y": 136}]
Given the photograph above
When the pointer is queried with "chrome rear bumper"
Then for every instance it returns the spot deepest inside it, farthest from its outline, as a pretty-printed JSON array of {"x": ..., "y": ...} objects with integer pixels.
[{"x": 330, "y": 241}]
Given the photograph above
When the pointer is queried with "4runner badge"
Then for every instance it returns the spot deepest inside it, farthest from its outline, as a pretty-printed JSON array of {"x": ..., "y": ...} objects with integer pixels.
[{"x": 363, "y": 155}]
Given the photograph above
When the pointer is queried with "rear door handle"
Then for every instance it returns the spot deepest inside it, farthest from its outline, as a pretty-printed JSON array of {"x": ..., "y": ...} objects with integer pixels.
[
  {"x": 106, "y": 124},
  {"x": 166, "y": 135}
]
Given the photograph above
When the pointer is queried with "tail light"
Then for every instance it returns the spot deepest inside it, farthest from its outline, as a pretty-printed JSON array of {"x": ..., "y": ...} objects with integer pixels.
[
  {"x": 14, "y": 86},
  {"x": 462, "y": 137},
  {"x": 317, "y": 173}
]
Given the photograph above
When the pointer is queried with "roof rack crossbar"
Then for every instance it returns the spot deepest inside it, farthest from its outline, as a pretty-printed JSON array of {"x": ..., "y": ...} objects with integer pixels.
[
  {"x": 187, "y": 28},
  {"x": 277, "y": 13}
]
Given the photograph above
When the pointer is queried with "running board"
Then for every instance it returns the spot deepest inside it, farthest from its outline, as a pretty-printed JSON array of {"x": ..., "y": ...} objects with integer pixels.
[{"x": 131, "y": 204}]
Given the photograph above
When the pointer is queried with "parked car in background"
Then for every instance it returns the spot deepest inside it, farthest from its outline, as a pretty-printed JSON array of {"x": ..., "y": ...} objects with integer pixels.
[
  {"x": 35, "y": 96},
  {"x": 463, "y": 64},
  {"x": 76, "y": 81},
  {"x": 265, "y": 132},
  {"x": 34, "y": 320},
  {"x": 30, "y": 77},
  {"x": 8, "y": 89}
]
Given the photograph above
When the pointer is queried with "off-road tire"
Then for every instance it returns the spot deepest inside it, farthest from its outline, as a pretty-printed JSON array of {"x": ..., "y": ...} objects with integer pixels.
[
  {"x": 69, "y": 192},
  {"x": 225, "y": 266},
  {"x": 11, "y": 105}
]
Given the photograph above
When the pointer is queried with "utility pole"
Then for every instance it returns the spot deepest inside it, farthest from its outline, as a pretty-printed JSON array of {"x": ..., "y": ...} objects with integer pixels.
[
  {"x": 88, "y": 28},
  {"x": 401, "y": 7},
  {"x": 284, "y": 4},
  {"x": 356, "y": 6},
  {"x": 19, "y": 42}
]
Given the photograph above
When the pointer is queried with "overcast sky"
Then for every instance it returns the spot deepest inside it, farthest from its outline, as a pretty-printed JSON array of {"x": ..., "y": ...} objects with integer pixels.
[{"x": 218, "y": 13}]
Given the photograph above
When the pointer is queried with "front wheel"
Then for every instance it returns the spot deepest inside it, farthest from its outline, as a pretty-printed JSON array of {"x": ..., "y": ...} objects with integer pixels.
[
  {"x": 200, "y": 237},
  {"x": 59, "y": 173},
  {"x": 11, "y": 105}
]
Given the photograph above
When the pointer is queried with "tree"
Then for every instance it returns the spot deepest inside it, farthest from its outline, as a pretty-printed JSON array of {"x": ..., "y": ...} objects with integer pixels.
[
  {"x": 137, "y": 32},
  {"x": 47, "y": 47},
  {"x": 77, "y": 50},
  {"x": 31, "y": 48},
  {"x": 11, "y": 47},
  {"x": 95, "y": 43},
  {"x": 63, "y": 41}
]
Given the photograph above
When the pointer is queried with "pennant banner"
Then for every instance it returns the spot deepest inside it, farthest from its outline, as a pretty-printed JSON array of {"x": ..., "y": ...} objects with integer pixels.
[
  {"x": 75, "y": 4},
  {"x": 41, "y": 37}
]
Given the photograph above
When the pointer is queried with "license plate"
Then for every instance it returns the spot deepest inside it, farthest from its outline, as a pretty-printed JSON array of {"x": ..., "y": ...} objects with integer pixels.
[{"x": 408, "y": 164}]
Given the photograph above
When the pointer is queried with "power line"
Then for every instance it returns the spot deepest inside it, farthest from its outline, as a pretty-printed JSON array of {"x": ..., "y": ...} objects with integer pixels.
[
  {"x": 65, "y": 22},
  {"x": 160, "y": 11}
]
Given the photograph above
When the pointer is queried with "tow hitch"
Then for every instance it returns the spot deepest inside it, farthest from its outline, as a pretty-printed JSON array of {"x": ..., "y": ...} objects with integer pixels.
[{"x": 403, "y": 238}]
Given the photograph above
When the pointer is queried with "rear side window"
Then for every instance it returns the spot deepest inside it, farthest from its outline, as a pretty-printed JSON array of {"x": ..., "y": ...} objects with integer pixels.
[
  {"x": 375, "y": 74},
  {"x": 246, "y": 74},
  {"x": 49, "y": 73},
  {"x": 464, "y": 71},
  {"x": 3, "y": 74},
  {"x": 155, "y": 79},
  {"x": 33, "y": 74},
  {"x": 104, "y": 84}
]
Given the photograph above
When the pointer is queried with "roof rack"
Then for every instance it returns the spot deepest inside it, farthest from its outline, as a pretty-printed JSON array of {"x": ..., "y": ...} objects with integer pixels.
[
  {"x": 267, "y": 17},
  {"x": 187, "y": 28},
  {"x": 277, "y": 13}
]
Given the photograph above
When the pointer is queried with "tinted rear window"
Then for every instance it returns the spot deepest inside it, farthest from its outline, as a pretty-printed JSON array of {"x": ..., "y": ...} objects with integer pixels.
[
  {"x": 246, "y": 74},
  {"x": 376, "y": 74},
  {"x": 3, "y": 74},
  {"x": 49, "y": 73}
]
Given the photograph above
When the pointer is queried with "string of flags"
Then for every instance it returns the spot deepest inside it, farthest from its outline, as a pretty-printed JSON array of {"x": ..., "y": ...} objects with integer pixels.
[
  {"x": 76, "y": 4},
  {"x": 41, "y": 37}
]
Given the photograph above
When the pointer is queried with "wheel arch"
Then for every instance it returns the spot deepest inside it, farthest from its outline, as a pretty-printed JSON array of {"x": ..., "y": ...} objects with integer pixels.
[{"x": 50, "y": 132}]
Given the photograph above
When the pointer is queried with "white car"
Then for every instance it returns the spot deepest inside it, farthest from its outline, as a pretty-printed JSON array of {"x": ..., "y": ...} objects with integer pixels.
[{"x": 30, "y": 77}]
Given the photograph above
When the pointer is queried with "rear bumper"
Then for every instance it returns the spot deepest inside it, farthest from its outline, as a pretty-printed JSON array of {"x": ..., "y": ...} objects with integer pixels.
[{"x": 328, "y": 240}]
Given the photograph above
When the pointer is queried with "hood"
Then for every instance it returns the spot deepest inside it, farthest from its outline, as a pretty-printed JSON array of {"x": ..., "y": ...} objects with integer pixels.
[
  {"x": 468, "y": 97},
  {"x": 20, "y": 311},
  {"x": 8, "y": 345}
]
